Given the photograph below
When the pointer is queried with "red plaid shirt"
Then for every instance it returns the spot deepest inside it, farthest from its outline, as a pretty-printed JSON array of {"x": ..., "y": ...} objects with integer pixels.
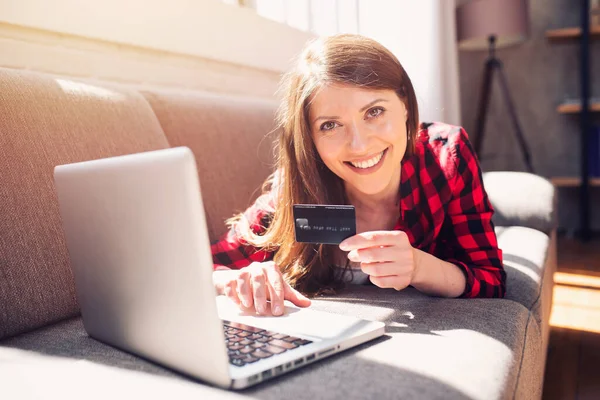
[{"x": 444, "y": 210}]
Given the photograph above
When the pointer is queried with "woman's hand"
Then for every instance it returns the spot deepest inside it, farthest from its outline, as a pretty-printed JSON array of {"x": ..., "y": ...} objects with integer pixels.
[
  {"x": 387, "y": 256},
  {"x": 255, "y": 284}
]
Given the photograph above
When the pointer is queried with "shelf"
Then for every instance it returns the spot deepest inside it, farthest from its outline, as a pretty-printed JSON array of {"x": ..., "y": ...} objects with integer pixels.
[
  {"x": 582, "y": 181},
  {"x": 568, "y": 181},
  {"x": 571, "y": 33},
  {"x": 573, "y": 108}
]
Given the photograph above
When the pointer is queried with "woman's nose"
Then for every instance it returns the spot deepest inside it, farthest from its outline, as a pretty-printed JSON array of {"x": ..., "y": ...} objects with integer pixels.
[{"x": 358, "y": 139}]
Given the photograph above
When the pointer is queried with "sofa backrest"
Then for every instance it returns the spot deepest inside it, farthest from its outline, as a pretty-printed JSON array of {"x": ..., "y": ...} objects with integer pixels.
[
  {"x": 230, "y": 139},
  {"x": 46, "y": 121}
]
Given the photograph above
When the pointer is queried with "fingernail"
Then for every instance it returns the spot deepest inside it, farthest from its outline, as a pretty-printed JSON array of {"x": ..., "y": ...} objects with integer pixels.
[
  {"x": 260, "y": 309},
  {"x": 276, "y": 310},
  {"x": 343, "y": 246}
]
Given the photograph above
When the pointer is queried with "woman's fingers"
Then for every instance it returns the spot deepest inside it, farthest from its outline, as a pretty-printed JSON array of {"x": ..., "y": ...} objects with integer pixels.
[
  {"x": 295, "y": 296},
  {"x": 395, "y": 282},
  {"x": 257, "y": 284},
  {"x": 276, "y": 289},
  {"x": 259, "y": 291},
  {"x": 244, "y": 289},
  {"x": 380, "y": 268},
  {"x": 374, "y": 239},
  {"x": 375, "y": 254},
  {"x": 230, "y": 291}
]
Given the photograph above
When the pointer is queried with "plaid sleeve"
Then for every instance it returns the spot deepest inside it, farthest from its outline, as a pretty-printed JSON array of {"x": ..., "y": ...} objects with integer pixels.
[
  {"x": 474, "y": 247},
  {"x": 231, "y": 250}
]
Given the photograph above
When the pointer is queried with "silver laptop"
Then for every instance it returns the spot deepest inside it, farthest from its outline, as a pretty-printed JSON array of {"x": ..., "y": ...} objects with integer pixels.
[{"x": 140, "y": 253}]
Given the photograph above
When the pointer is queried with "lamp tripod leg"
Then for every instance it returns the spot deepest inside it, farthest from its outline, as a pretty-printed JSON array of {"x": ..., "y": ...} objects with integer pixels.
[
  {"x": 484, "y": 100},
  {"x": 513, "y": 116}
]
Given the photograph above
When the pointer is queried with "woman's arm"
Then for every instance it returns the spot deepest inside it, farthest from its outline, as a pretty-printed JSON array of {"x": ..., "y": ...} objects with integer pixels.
[
  {"x": 392, "y": 262},
  {"x": 232, "y": 251},
  {"x": 470, "y": 242},
  {"x": 467, "y": 261},
  {"x": 437, "y": 277}
]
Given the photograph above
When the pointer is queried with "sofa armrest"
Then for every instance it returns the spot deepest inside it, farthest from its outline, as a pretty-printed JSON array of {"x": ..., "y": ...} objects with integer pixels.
[{"x": 521, "y": 199}]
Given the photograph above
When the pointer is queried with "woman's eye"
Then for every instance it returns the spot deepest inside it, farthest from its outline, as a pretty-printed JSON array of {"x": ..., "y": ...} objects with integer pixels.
[
  {"x": 327, "y": 126},
  {"x": 375, "y": 112}
]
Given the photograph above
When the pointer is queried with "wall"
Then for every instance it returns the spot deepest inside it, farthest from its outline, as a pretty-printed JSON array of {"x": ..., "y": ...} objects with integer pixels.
[
  {"x": 199, "y": 44},
  {"x": 540, "y": 74},
  {"x": 423, "y": 37}
]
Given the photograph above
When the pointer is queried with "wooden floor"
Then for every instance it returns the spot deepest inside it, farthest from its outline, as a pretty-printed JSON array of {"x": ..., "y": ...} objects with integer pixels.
[{"x": 573, "y": 364}]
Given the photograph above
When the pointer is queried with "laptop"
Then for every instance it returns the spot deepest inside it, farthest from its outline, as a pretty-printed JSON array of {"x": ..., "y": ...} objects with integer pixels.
[{"x": 139, "y": 247}]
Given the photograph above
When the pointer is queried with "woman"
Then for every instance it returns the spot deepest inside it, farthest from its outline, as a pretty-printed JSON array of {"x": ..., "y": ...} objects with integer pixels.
[{"x": 350, "y": 134}]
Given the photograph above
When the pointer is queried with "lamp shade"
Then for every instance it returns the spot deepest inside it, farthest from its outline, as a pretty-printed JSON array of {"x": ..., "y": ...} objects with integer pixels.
[{"x": 477, "y": 20}]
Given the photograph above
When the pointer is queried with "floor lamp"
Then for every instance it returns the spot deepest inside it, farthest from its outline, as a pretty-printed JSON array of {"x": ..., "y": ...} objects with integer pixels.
[{"x": 489, "y": 25}]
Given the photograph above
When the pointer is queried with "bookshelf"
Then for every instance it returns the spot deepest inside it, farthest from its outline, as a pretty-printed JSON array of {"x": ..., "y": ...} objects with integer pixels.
[
  {"x": 575, "y": 108},
  {"x": 572, "y": 181},
  {"x": 582, "y": 107},
  {"x": 571, "y": 33}
]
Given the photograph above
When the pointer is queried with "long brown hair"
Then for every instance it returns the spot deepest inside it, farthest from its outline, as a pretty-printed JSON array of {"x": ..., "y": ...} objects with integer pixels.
[{"x": 301, "y": 177}]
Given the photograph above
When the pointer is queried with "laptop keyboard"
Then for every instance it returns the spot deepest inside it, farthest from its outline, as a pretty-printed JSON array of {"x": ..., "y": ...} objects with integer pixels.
[{"x": 247, "y": 344}]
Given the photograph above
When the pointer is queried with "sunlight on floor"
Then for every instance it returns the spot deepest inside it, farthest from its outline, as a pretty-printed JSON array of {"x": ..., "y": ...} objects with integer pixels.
[{"x": 576, "y": 303}]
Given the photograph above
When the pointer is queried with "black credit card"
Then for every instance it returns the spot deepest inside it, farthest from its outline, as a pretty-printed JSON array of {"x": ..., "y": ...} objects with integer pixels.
[{"x": 324, "y": 224}]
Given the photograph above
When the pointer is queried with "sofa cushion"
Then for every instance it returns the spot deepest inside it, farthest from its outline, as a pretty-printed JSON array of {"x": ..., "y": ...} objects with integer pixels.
[
  {"x": 46, "y": 121},
  {"x": 229, "y": 138},
  {"x": 526, "y": 254},
  {"x": 433, "y": 348},
  {"x": 31, "y": 375},
  {"x": 530, "y": 261},
  {"x": 521, "y": 199}
]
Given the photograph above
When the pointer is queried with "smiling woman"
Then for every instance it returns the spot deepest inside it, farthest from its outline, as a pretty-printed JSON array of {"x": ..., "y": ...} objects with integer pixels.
[
  {"x": 350, "y": 134},
  {"x": 366, "y": 137}
]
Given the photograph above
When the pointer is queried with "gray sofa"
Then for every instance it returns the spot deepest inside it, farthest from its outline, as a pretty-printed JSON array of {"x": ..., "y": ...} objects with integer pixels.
[{"x": 433, "y": 348}]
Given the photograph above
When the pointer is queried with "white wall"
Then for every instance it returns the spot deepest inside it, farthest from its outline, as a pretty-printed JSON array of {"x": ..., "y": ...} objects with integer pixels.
[
  {"x": 207, "y": 44},
  {"x": 420, "y": 33},
  {"x": 198, "y": 44},
  {"x": 422, "y": 36},
  {"x": 204, "y": 28}
]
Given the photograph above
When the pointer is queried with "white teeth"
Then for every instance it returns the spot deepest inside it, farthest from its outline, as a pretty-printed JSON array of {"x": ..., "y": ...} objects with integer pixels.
[{"x": 368, "y": 163}]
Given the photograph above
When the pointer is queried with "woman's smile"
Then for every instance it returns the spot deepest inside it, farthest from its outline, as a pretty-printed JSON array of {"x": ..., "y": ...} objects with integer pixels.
[{"x": 367, "y": 165}]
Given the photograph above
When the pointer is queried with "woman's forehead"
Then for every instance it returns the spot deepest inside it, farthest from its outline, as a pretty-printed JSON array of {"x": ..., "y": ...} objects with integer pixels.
[{"x": 333, "y": 96}]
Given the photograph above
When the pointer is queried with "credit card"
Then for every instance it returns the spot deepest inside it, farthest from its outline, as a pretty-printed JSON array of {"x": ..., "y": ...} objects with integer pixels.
[{"x": 324, "y": 224}]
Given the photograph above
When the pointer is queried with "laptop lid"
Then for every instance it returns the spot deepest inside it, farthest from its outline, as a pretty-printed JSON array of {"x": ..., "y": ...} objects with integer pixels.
[{"x": 143, "y": 270}]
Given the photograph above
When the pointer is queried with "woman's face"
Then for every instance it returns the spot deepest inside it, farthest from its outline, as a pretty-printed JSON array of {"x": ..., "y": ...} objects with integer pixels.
[{"x": 360, "y": 134}]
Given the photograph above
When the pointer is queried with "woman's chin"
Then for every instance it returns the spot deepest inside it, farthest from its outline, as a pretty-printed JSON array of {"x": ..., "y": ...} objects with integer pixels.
[{"x": 368, "y": 190}]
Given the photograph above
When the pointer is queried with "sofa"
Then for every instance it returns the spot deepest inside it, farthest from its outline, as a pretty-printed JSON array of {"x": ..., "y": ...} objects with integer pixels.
[{"x": 433, "y": 348}]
